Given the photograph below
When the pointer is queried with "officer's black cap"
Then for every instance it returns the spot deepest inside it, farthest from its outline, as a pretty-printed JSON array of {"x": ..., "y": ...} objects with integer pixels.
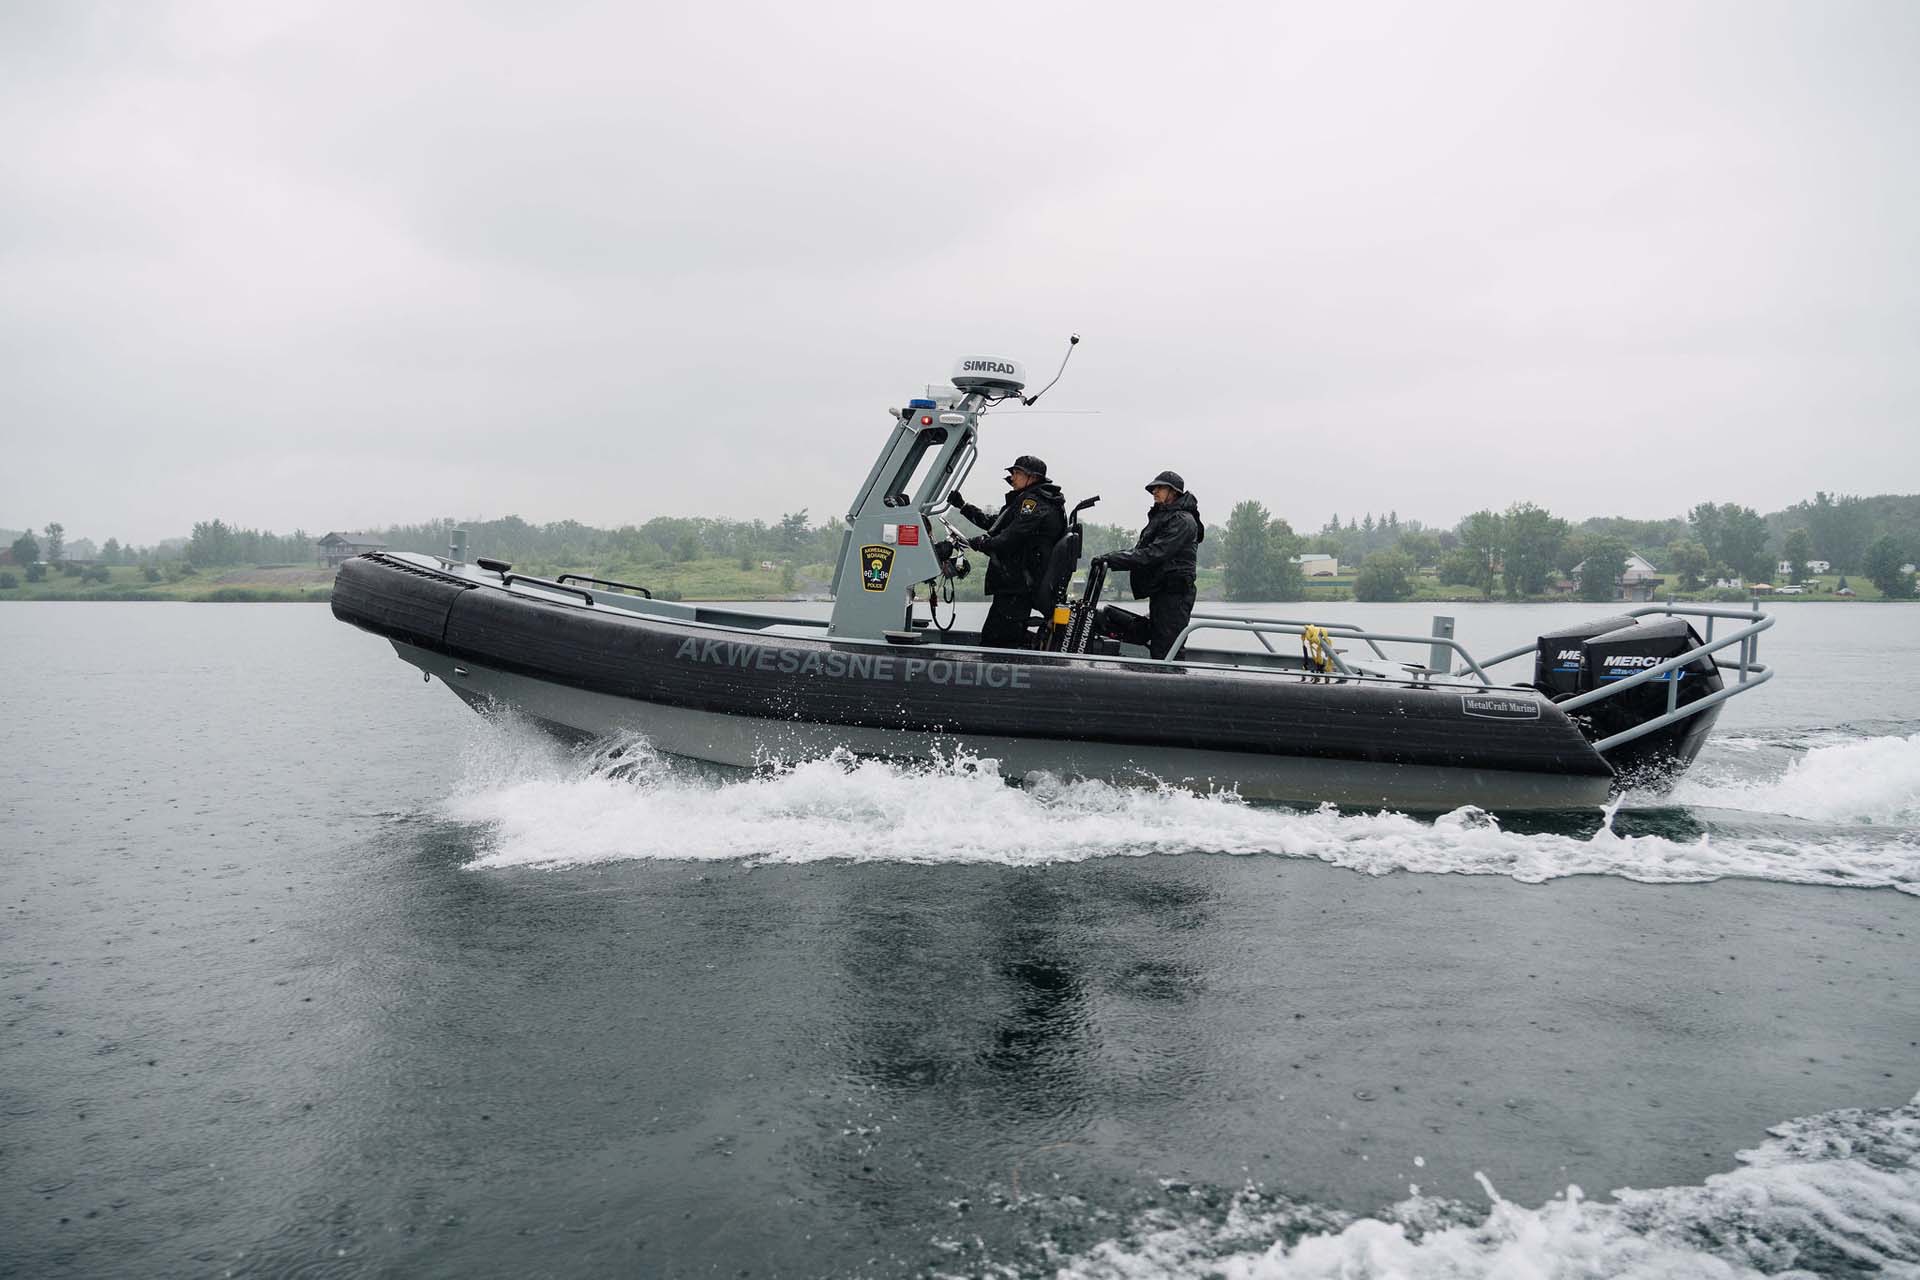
[
  {"x": 1171, "y": 479},
  {"x": 1031, "y": 465}
]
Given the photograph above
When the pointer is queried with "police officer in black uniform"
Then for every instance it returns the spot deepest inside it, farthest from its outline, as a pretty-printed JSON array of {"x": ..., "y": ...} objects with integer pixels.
[
  {"x": 1018, "y": 538},
  {"x": 1164, "y": 565}
]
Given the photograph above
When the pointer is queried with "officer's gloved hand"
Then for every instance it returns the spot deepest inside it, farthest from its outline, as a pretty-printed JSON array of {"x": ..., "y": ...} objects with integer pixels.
[
  {"x": 953, "y": 496},
  {"x": 1098, "y": 562},
  {"x": 978, "y": 542}
]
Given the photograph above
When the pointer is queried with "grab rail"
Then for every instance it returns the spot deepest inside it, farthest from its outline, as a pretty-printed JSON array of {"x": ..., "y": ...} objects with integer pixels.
[
  {"x": 1216, "y": 622},
  {"x": 963, "y": 460},
  {"x": 508, "y": 579},
  {"x": 1338, "y": 628},
  {"x": 604, "y": 582},
  {"x": 1259, "y": 628}
]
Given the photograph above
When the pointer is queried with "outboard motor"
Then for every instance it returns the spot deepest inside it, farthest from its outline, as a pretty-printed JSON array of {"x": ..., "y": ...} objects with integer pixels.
[
  {"x": 1615, "y": 655},
  {"x": 1560, "y": 663}
]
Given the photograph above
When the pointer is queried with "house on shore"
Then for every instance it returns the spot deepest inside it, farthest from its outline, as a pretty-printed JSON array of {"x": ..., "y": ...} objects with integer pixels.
[
  {"x": 338, "y": 547},
  {"x": 1638, "y": 583}
]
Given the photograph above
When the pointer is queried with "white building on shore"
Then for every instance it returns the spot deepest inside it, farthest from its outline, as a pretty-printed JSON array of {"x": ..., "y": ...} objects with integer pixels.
[
  {"x": 1638, "y": 581},
  {"x": 1315, "y": 564}
]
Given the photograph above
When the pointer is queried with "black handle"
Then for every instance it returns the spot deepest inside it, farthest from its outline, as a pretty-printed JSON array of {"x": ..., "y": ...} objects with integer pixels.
[
  {"x": 508, "y": 579},
  {"x": 603, "y": 582}
]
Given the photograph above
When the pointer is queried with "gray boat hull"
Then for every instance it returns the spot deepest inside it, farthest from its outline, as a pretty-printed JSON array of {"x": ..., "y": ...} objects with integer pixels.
[{"x": 731, "y": 738}]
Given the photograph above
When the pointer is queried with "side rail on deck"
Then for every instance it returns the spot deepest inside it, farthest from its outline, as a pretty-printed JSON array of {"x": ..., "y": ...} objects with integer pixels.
[
  {"x": 604, "y": 582},
  {"x": 1261, "y": 628},
  {"x": 544, "y": 584}
]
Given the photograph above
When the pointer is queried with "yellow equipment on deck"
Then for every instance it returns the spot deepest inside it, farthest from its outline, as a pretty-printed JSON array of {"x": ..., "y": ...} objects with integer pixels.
[{"x": 1317, "y": 647}]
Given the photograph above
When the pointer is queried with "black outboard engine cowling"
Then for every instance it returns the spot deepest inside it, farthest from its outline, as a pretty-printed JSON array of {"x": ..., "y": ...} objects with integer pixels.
[
  {"x": 1627, "y": 651},
  {"x": 1560, "y": 664}
]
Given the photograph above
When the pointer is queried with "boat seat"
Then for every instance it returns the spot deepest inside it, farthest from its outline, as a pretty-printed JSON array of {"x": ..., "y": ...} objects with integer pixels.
[{"x": 1062, "y": 560}]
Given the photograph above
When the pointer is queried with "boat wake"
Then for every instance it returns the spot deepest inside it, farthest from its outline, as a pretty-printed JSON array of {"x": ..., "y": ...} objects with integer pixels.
[
  {"x": 1833, "y": 1194},
  {"x": 623, "y": 801},
  {"x": 1828, "y": 778}
]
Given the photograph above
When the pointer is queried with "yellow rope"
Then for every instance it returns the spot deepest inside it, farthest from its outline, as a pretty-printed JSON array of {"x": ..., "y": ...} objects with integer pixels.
[{"x": 1317, "y": 646}]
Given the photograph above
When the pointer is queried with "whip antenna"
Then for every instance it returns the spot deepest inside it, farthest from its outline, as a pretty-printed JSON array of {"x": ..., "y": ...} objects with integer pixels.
[{"x": 1073, "y": 340}]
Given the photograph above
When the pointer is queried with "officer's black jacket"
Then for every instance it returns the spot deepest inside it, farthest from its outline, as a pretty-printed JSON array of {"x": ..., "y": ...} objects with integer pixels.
[
  {"x": 1020, "y": 536},
  {"x": 1165, "y": 557}
]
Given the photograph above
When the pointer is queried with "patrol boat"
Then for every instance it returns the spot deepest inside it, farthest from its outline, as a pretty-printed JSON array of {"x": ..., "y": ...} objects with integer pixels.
[{"x": 1295, "y": 710}]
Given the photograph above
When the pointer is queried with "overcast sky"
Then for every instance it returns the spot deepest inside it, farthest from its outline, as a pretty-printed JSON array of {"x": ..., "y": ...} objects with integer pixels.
[{"x": 337, "y": 265}]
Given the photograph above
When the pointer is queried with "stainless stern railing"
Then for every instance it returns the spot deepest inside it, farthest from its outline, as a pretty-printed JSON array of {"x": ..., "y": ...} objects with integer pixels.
[{"x": 1751, "y": 673}]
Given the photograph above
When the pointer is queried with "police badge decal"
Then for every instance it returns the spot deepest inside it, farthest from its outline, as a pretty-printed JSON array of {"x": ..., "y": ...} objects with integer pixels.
[
  {"x": 1029, "y": 505},
  {"x": 876, "y": 566}
]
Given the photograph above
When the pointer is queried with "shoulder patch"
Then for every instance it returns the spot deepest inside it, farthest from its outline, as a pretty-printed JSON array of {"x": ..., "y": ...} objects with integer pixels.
[{"x": 1029, "y": 505}]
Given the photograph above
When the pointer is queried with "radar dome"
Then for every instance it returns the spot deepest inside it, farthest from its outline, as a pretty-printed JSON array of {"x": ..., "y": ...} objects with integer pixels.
[{"x": 991, "y": 374}]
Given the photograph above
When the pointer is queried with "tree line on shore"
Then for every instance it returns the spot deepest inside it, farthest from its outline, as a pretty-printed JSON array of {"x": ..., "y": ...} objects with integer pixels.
[
  {"x": 1520, "y": 552},
  {"x": 213, "y": 542},
  {"x": 1526, "y": 550}
]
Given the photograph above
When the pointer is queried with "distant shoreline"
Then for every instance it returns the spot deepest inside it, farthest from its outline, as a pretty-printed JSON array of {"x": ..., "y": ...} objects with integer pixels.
[
  {"x": 217, "y": 596},
  {"x": 718, "y": 581},
  {"x": 322, "y": 595}
]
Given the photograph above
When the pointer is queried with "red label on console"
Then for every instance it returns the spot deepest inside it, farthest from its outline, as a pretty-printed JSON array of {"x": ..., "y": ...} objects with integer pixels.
[{"x": 909, "y": 535}]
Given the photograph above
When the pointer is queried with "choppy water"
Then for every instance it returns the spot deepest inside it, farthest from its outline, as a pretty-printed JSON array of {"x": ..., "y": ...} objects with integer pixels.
[
  {"x": 309, "y": 970},
  {"x": 1842, "y": 810}
]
